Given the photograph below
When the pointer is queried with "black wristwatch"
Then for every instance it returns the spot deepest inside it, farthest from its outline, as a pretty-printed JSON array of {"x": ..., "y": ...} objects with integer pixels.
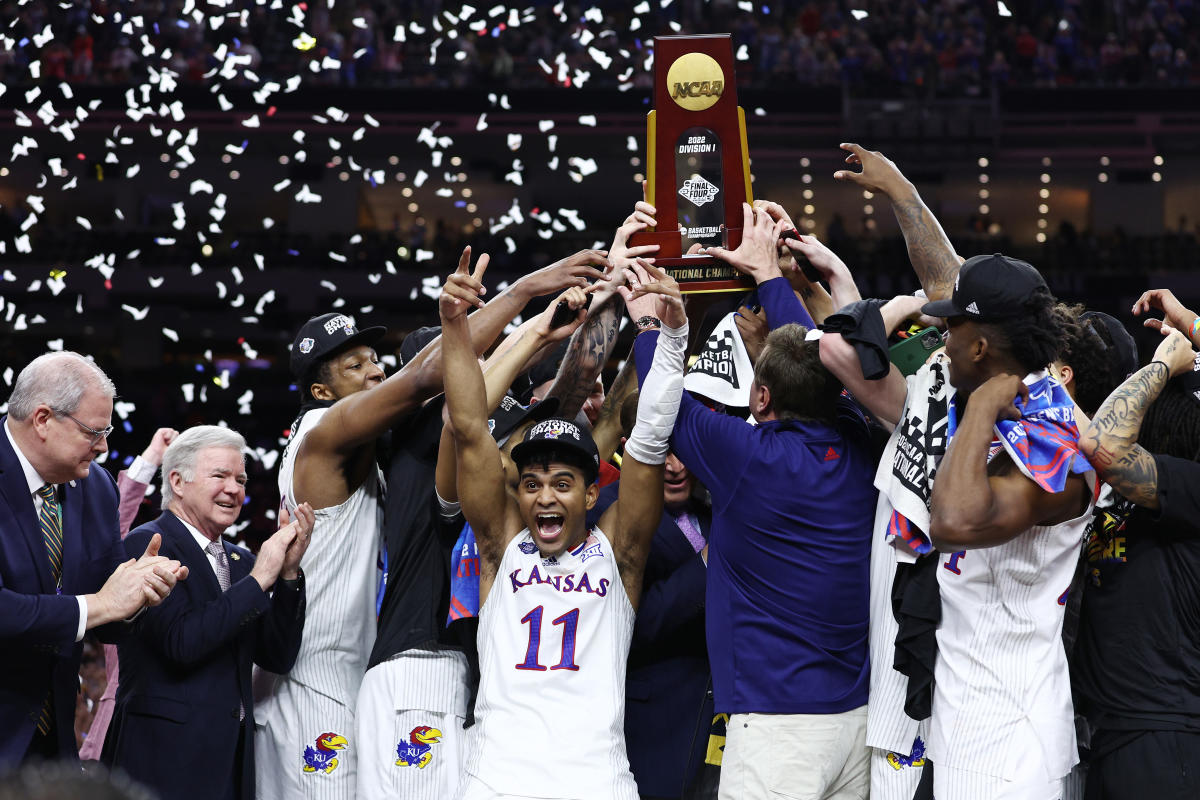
[{"x": 648, "y": 323}]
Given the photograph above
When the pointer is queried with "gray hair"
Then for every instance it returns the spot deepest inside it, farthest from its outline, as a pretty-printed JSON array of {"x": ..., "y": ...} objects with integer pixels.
[
  {"x": 59, "y": 380},
  {"x": 182, "y": 453}
]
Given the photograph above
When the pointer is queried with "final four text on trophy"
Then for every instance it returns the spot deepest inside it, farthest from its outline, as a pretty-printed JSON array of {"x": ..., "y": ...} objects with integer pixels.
[{"x": 697, "y": 164}]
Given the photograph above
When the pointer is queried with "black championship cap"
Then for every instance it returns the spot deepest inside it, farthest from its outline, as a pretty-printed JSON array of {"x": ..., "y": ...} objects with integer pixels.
[
  {"x": 989, "y": 288},
  {"x": 1119, "y": 348},
  {"x": 416, "y": 341},
  {"x": 323, "y": 336},
  {"x": 509, "y": 415},
  {"x": 558, "y": 434}
]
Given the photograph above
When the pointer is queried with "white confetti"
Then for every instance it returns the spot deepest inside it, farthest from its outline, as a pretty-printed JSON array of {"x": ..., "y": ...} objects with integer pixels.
[
  {"x": 137, "y": 313},
  {"x": 170, "y": 334}
]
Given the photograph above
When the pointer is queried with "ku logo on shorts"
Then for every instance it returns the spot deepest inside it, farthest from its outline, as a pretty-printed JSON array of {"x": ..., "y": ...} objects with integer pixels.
[
  {"x": 323, "y": 757},
  {"x": 418, "y": 750}
]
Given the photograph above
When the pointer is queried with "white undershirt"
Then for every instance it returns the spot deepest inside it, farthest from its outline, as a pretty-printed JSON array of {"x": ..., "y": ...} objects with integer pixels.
[{"x": 201, "y": 540}]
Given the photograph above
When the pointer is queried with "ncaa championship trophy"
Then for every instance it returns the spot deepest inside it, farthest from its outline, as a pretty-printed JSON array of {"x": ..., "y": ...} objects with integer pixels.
[{"x": 696, "y": 154}]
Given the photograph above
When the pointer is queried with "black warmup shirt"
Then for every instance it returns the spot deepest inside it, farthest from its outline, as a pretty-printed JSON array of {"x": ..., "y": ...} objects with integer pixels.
[
  {"x": 418, "y": 541},
  {"x": 1136, "y": 664}
]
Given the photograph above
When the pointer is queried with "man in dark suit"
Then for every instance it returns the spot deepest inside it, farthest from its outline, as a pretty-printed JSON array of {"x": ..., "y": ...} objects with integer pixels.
[
  {"x": 668, "y": 708},
  {"x": 184, "y": 718},
  {"x": 61, "y": 570}
]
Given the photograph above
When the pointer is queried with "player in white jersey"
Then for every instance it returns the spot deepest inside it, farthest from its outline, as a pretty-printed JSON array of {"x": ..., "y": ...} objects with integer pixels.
[
  {"x": 557, "y": 600},
  {"x": 305, "y": 743}
]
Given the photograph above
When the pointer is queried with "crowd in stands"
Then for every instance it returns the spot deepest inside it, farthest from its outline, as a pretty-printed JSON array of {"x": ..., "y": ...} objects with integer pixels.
[{"x": 875, "y": 47}]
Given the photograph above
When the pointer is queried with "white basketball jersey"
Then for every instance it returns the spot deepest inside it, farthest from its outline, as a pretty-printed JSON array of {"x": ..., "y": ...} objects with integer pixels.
[
  {"x": 341, "y": 577},
  {"x": 1002, "y": 690},
  {"x": 554, "y": 636}
]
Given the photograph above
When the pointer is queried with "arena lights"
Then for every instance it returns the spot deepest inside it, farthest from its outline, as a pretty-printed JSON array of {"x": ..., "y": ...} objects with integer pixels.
[
  {"x": 638, "y": 177},
  {"x": 393, "y": 160},
  {"x": 1156, "y": 177},
  {"x": 406, "y": 191},
  {"x": 343, "y": 176},
  {"x": 807, "y": 222},
  {"x": 467, "y": 192},
  {"x": 283, "y": 159},
  {"x": 1158, "y": 161},
  {"x": 206, "y": 250},
  {"x": 234, "y": 174},
  {"x": 413, "y": 207},
  {"x": 1044, "y": 207},
  {"x": 983, "y": 181}
]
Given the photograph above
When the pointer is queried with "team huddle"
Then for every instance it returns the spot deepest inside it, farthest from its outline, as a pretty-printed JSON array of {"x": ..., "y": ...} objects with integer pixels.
[{"x": 832, "y": 570}]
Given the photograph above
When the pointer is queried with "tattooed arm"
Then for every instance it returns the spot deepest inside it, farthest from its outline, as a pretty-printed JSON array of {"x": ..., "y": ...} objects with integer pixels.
[
  {"x": 586, "y": 356},
  {"x": 929, "y": 248},
  {"x": 1110, "y": 442}
]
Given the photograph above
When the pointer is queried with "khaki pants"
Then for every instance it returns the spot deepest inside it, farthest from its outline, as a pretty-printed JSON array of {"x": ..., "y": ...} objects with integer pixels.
[{"x": 796, "y": 756}]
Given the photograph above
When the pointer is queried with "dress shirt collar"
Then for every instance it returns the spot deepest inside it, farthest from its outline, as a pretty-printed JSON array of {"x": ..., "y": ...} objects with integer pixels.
[{"x": 32, "y": 477}]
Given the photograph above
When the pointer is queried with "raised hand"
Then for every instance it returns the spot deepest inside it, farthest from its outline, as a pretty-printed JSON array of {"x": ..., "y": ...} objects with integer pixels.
[
  {"x": 162, "y": 439},
  {"x": 879, "y": 173},
  {"x": 576, "y": 299},
  {"x": 463, "y": 289},
  {"x": 998, "y": 394},
  {"x": 272, "y": 554},
  {"x": 1175, "y": 313},
  {"x": 752, "y": 325},
  {"x": 1175, "y": 351},
  {"x": 305, "y": 519},
  {"x": 756, "y": 255},
  {"x": 577, "y": 269},
  {"x": 648, "y": 280}
]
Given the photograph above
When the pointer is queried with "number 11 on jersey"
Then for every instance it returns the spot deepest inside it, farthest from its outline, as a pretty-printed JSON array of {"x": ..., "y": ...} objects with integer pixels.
[{"x": 570, "y": 623}]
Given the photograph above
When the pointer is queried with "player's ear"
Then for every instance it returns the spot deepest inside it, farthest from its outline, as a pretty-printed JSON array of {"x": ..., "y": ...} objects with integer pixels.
[
  {"x": 592, "y": 495},
  {"x": 321, "y": 392}
]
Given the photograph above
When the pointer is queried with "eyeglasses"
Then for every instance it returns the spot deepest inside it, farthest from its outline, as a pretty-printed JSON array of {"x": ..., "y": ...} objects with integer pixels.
[{"x": 97, "y": 435}]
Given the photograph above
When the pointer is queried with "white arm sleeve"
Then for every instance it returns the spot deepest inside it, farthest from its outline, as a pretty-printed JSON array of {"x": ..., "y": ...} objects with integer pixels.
[{"x": 658, "y": 400}]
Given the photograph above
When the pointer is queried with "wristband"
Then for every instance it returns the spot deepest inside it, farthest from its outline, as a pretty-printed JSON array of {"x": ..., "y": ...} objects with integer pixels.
[
  {"x": 1165, "y": 365},
  {"x": 1195, "y": 328}
]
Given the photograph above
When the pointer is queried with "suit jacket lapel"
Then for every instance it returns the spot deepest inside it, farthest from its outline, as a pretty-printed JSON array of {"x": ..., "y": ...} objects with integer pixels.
[
  {"x": 190, "y": 553},
  {"x": 239, "y": 566},
  {"x": 71, "y": 497},
  {"x": 20, "y": 502}
]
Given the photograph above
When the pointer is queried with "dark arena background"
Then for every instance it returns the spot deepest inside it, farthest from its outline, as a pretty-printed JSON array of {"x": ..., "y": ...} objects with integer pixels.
[{"x": 184, "y": 183}]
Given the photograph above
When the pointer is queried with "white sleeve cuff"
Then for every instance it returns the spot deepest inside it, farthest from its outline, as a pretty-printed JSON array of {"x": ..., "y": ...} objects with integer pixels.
[
  {"x": 82, "y": 627},
  {"x": 658, "y": 401},
  {"x": 449, "y": 510},
  {"x": 141, "y": 471}
]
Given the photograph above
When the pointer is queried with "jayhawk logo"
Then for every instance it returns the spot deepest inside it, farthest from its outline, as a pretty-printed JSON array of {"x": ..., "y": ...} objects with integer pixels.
[
  {"x": 418, "y": 750},
  {"x": 917, "y": 759},
  {"x": 323, "y": 757}
]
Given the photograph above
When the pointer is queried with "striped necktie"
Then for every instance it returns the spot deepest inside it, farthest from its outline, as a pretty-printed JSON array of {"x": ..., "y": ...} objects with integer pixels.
[
  {"x": 50, "y": 522},
  {"x": 217, "y": 551}
]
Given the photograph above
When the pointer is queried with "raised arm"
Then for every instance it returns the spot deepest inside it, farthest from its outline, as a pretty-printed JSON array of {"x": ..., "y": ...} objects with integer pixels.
[
  {"x": 1110, "y": 441},
  {"x": 883, "y": 398},
  {"x": 485, "y": 504},
  {"x": 632, "y": 520},
  {"x": 973, "y": 506},
  {"x": 929, "y": 248},
  {"x": 501, "y": 370},
  {"x": 757, "y": 256},
  {"x": 606, "y": 433},
  {"x": 1175, "y": 313}
]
